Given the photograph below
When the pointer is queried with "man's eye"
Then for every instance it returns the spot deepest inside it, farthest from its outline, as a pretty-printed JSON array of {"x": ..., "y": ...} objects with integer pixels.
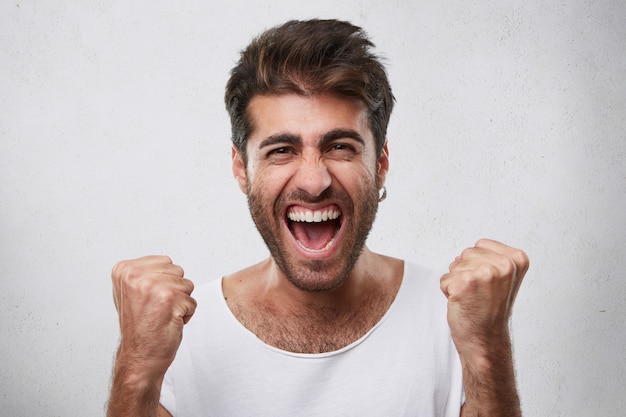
[
  {"x": 279, "y": 151},
  {"x": 341, "y": 147}
]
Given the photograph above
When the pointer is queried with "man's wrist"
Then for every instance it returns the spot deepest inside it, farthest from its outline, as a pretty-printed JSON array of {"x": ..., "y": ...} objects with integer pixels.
[
  {"x": 134, "y": 391},
  {"x": 489, "y": 380}
]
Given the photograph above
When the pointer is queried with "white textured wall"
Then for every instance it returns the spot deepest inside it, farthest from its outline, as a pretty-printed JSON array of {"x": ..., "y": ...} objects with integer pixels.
[{"x": 510, "y": 123}]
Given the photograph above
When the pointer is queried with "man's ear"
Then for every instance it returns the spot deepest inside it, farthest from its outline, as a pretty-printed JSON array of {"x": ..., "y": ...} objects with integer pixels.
[
  {"x": 239, "y": 170},
  {"x": 383, "y": 165}
]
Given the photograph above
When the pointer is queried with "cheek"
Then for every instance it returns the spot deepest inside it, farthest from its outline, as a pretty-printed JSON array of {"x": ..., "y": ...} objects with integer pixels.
[
  {"x": 351, "y": 175},
  {"x": 281, "y": 175},
  {"x": 267, "y": 183}
]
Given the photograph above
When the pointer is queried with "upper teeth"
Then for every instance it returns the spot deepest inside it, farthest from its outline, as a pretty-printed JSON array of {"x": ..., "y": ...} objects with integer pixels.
[{"x": 313, "y": 216}]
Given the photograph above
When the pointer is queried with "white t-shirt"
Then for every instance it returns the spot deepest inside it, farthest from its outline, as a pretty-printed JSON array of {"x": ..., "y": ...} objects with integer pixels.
[{"x": 406, "y": 365}]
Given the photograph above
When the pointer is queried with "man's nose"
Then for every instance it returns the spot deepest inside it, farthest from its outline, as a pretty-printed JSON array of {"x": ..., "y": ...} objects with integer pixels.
[{"x": 313, "y": 176}]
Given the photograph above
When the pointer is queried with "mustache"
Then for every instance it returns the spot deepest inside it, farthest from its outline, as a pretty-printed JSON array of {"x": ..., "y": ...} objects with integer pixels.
[
  {"x": 304, "y": 197},
  {"x": 300, "y": 196}
]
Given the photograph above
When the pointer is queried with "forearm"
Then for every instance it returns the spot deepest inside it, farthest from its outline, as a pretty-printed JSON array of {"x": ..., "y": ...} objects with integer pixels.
[
  {"x": 133, "y": 394},
  {"x": 489, "y": 380},
  {"x": 481, "y": 288}
]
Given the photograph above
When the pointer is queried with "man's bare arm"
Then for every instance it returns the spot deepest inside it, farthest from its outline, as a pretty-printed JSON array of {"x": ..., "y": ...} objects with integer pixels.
[
  {"x": 133, "y": 394},
  {"x": 490, "y": 386},
  {"x": 154, "y": 302},
  {"x": 481, "y": 288}
]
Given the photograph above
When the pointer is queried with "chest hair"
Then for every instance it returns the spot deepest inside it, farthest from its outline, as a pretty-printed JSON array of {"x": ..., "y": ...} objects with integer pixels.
[{"x": 312, "y": 330}]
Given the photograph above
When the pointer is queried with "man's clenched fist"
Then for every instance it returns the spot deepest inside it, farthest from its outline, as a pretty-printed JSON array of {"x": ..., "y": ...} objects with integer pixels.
[
  {"x": 481, "y": 288},
  {"x": 154, "y": 302}
]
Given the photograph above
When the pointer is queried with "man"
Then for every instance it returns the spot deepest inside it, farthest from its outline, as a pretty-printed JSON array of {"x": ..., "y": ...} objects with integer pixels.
[{"x": 324, "y": 326}]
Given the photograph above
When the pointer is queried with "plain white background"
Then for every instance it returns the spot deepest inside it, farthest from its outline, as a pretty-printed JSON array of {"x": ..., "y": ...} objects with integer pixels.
[{"x": 510, "y": 124}]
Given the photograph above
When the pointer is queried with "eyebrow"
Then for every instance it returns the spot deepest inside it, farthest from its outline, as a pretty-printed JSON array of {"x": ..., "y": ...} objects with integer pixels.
[
  {"x": 340, "y": 134},
  {"x": 291, "y": 139},
  {"x": 281, "y": 138}
]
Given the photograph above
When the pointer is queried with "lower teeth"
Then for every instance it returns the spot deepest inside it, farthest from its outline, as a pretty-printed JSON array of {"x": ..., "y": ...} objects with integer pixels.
[{"x": 328, "y": 245}]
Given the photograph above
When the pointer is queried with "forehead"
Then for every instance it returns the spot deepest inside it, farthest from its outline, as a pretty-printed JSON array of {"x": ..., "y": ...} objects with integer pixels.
[{"x": 308, "y": 117}]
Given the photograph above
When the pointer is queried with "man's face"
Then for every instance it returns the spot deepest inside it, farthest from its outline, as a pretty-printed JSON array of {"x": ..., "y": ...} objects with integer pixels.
[{"x": 312, "y": 180}]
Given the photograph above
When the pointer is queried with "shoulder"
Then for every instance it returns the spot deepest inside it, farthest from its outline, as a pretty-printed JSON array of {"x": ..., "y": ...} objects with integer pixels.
[
  {"x": 420, "y": 291},
  {"x": 237, "y": 285},
  {"x": 420, "y": 274}
]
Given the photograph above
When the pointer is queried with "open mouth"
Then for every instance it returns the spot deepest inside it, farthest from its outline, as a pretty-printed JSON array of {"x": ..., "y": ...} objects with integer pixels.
[{"x": 314, "y": 230}]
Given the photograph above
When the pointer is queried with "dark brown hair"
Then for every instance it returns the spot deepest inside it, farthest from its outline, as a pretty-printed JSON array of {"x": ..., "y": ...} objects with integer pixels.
[{"x": 310, "y": 57}]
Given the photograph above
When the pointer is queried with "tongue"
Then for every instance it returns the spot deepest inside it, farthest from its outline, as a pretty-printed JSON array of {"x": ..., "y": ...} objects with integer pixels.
[{"x": 314, "y": 236}]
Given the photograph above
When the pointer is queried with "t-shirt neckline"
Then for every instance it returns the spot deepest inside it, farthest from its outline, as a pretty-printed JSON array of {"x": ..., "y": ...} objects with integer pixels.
[{"x": 256, "y": 340}]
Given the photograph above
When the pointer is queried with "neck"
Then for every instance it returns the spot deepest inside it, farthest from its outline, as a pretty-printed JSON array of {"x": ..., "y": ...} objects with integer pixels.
[
  {"x": 361, "y": 280},
  {"x": 284, "y": 316}
]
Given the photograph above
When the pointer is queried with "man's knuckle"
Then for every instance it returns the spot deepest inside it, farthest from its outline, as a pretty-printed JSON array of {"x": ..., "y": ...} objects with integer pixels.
[
  {"x": 180, "y": 271},
  {"x": 164, "y": 295},
  {"x": 143, "y": 285},
  {"x": 467, "y": 280},
  {"x": 481, "y": 242},
  {"x": 507, "y": 266},
  {"x": 488, "y": 272},
  {"x": 520, "y": 258},
  {"x": 117, "y": 269},
  {"x": 466, "y": 252}
]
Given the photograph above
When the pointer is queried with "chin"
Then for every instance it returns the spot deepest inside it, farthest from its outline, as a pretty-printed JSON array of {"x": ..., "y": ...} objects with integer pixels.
[
  {"x": 312, "y": 280},
  {"x": 317, "y": 275}
]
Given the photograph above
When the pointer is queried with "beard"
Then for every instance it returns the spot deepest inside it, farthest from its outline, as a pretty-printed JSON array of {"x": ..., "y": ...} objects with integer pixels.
[{"x": 316, "y": 275}]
